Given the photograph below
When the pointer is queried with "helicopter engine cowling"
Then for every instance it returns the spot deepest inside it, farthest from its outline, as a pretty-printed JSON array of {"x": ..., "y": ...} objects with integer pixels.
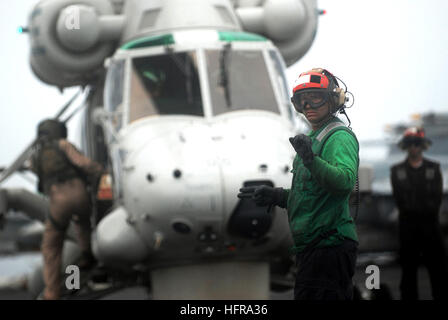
[
  {"x": 290, "y": 24},
  {"x": 70, "y": 40}
]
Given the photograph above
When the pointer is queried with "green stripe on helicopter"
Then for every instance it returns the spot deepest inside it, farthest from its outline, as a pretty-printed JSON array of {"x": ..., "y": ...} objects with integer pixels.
[
  {"x": 162, "y": 40},
  {"x": 239, "y": 36},
  {"x": 168, "y": 39}
]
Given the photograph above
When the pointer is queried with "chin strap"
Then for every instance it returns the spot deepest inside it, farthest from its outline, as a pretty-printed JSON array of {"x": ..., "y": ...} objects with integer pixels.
[{"x": 324, "y": 122}]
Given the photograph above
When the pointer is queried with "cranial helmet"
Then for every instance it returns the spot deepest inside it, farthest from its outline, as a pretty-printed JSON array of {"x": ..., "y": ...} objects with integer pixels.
[
  {"x": 52, "y": 129},
  {"x": 414, "y": 136},
  {"x": 315, "y": 88}
]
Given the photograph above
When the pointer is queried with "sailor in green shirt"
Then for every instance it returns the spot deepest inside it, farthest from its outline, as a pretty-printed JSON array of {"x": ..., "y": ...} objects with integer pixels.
[{"x": 324, "y": 174}]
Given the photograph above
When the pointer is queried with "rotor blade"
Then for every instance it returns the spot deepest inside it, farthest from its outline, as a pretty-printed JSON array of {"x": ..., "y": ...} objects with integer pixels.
[
  {"x": 18, "y": 163},
  {"x": 73, "y": 113},
  {"x": 68, "y": 104},
  {"x": 82, "y": 106}
]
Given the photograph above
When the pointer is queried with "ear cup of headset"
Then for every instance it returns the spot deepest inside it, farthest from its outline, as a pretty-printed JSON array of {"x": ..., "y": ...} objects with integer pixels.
[
  {"x": 339, "y": 93},
  {"x": 339, "y": 97}
]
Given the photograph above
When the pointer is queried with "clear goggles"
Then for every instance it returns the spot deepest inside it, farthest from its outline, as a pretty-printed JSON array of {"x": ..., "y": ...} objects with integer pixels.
[{"x": 314, "y": 98}]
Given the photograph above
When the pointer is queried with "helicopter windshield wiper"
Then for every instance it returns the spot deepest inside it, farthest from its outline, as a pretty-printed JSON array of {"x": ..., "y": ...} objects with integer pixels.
[
  {"x": 224, "y": 72},
  {"x": 186, "y": 70},
  {"x": 170, "y": 51}
]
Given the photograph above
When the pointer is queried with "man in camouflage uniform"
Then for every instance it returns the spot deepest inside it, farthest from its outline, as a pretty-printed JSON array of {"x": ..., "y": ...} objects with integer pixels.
[{"x": 64, "y": 174}]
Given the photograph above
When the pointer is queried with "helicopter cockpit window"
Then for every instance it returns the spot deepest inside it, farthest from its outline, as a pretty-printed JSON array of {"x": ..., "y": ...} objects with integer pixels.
[
  {"x": 113, "y": 92},
  {"x": 165, "y": 85},
  {"x": 239, "y": 80}
]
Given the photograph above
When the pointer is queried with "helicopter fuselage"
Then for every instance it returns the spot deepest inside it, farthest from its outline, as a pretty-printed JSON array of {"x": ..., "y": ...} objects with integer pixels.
[{"x": 180, "y": 151}]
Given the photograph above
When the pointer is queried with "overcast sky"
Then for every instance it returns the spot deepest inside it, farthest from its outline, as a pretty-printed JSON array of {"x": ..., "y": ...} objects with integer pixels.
[{"x": 391, "y": 54}]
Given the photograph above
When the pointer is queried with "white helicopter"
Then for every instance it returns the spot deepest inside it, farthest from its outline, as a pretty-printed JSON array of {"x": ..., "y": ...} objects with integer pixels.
[{"x": 188, "y": 102}]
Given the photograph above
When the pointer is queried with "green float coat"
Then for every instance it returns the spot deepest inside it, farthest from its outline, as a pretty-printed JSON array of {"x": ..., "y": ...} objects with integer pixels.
[{"x": 319, "y": 194}]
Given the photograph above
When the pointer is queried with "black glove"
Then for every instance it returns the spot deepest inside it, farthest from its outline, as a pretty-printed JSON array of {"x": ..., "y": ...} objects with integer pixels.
[
  {"x": 302, "y": 144},
  {"x": 265, "y": 195}
]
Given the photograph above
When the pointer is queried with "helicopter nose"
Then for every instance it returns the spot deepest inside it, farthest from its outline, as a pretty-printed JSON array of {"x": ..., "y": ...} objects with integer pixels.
[
  {"x": 181, "y": 186},
  {"x": 197, "y": 173},
  {"x": 169, "y": 176}
]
